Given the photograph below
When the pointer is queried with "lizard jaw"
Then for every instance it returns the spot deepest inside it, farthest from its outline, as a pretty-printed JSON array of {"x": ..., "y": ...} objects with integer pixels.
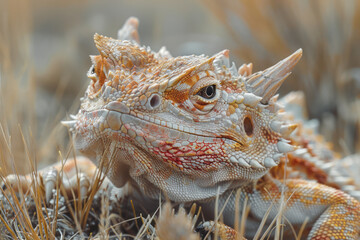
[{"x": 206, "y": 151}]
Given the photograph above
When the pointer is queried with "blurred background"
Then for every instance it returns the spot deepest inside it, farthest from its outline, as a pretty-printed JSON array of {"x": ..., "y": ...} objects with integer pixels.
[{"x": 44, "y": 48}]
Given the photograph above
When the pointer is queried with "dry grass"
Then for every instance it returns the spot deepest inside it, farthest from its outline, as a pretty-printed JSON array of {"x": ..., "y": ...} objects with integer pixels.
[{"x": 265, "y": 31}]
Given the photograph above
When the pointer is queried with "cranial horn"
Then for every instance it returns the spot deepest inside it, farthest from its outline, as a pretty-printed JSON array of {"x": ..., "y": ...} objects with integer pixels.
[
  {"x": 266, "y": 83},
  {"x": 129, "y": 30},
  {"x": 123, "y": 53}
]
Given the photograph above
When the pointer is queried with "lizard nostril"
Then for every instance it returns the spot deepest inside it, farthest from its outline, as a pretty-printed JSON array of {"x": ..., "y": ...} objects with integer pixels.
[
  {"x": 248, "y": 126},
  {"x": 154, "y": 101}
]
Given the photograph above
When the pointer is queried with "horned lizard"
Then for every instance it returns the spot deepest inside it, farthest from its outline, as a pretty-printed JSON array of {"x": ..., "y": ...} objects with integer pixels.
[{"x": 197, "y": 129}]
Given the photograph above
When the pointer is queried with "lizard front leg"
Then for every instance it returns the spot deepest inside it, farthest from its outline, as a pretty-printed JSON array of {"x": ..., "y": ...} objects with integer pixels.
[
  {"x": 341, "y": 218},
  {"x": 330, "y": 213},
  {"x": 75, "y": 176}
]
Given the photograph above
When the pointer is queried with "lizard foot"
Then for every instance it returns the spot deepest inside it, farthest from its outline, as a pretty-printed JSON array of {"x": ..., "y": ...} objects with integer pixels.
[
  {"x": 75, "y": 177},
  {"x": 223, "y": 231}
]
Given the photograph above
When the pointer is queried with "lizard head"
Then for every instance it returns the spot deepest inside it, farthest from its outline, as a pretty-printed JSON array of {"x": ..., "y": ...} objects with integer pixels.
[{"x": 190, "y": 123}]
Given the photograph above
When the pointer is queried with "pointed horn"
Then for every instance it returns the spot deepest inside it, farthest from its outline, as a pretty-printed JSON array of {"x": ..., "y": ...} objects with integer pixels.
[
  {"x": 69, "y": 124},
  {"x": 202, "y": 65},
  {"x": 266, "y": 83},
  {"x": 245, "y": 69},
  {"x": 122, "y": 53},
  {"x": 130, "y": 30}
]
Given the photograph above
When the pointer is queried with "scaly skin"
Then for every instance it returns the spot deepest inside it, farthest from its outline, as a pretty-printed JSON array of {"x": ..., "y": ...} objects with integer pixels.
[{"x": 192, "y": 128}]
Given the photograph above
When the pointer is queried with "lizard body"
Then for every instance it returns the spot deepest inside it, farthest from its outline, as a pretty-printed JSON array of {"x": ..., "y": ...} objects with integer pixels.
[{"x": 195, "y": 128}]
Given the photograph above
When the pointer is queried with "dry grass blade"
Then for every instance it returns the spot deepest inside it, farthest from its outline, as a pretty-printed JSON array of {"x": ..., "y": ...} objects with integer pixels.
[
  {"x": 299, "y": 236},
  {"x": 245, "y": 214}
]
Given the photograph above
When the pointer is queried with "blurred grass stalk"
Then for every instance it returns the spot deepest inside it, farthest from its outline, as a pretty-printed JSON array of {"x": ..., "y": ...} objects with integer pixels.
[
  {"x": 329, "y": 72},
  {"x": 17, "y": 89},
  {"x": 19, "y": 95}
]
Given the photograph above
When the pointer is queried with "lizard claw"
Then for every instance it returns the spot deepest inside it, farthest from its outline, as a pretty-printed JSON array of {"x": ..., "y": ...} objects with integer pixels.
[
  {"x": 84, "y": 183},
  {"x": 77, "y": 184},
  {"x": 73, "y": 183},
  {"x": 50, "y": 178}
]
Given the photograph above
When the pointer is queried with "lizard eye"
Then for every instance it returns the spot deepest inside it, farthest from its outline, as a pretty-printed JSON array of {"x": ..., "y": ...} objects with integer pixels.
[
  {"x": 92, "y": 72},
  {"x": 204, "y": 94},
  {"x": 207, "y": 92}
]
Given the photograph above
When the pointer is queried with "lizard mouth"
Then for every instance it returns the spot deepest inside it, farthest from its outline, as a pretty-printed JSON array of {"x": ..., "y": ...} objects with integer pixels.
[
  {"x": 227, "y": 152},
  {"x": 185, "y": 149},
  {"x": 131, "y": 122}
]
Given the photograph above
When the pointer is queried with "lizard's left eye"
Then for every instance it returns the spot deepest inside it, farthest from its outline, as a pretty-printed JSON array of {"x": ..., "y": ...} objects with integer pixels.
[
  {"x": 207, "y": 92},
  {"x": 93, "y": 70}
]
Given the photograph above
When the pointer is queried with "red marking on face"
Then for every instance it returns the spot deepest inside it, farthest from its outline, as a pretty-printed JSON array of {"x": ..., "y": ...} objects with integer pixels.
[{"x": 195, "y": 156}]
